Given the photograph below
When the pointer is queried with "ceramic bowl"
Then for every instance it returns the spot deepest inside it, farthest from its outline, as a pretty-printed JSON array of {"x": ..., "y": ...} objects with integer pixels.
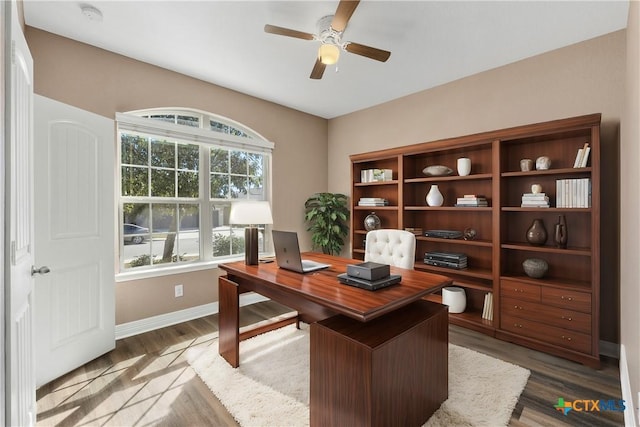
[
  {"x": 535, "y": 267},
  {"x": 437, "y": 170}
]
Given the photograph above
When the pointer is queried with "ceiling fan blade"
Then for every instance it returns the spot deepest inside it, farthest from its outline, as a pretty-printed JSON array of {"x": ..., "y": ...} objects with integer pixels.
[
  {"x": 272, "y": 29},
  {"x": 318, "y": 70},
  {"x": 368, "y": 51},
  {"x": 343, "y": 14}
]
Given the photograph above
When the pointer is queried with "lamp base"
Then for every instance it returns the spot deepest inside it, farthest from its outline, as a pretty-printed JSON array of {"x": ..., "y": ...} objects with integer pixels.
[{"x": 251, "y": 246}]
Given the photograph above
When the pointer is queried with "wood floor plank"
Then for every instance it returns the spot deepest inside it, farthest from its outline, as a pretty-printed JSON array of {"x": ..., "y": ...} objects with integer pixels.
[{"x": 146, "y": 380}]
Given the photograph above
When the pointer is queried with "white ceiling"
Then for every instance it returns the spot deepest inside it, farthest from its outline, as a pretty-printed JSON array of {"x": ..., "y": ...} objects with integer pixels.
[{"x": 431, "y": 42}]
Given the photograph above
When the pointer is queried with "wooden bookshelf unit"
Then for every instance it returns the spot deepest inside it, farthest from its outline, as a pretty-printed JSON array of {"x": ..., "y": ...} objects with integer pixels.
[{"x": 558, "y": 313}]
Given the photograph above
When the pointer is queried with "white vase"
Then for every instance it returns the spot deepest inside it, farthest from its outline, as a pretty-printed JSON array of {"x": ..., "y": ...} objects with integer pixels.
[
  {"x": 464, "y": 166},
  {"x": 455, "y": 298},
  {"x": 434, "y": 196}
]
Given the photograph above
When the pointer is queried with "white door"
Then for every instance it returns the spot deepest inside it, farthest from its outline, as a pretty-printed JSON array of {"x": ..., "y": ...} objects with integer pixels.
[
  {"x": 20, "y": 403},
  {"x": 75, "y": 235}
]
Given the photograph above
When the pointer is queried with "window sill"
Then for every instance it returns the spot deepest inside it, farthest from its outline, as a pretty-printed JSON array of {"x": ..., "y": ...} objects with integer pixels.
[
  {"x": 177, "y": 269},
  {"x": 167, "y": 271}
]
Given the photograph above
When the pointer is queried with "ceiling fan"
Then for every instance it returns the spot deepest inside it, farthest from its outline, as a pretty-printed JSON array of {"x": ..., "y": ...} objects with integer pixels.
[{"x": 330, "y": 29}]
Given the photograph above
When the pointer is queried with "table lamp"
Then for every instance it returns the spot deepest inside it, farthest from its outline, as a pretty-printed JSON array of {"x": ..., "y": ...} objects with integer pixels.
[{"x": 250, "y": 213}]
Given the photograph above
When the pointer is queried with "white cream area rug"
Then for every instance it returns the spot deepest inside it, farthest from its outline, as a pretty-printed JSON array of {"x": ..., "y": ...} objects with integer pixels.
[{"x": 271, "y": 386}]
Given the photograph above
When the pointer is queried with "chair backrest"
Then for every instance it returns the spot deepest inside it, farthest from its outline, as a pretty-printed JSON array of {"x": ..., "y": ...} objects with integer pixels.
[{"x": 393, "y": 247}]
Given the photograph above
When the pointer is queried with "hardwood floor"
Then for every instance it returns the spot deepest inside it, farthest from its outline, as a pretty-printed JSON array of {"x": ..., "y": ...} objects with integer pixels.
[{"x": 147, "y": 381}]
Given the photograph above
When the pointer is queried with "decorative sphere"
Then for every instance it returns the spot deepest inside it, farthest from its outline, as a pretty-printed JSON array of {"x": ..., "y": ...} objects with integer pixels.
[
  {"x": 469, "y": 234},
  {"x": 543, "y": 163},
  {"x": 372, "y": 222},
  {"x": 535, "y": 267}
]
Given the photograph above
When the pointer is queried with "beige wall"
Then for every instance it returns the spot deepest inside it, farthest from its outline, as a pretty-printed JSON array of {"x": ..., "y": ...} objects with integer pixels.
[
  {"x": 105, "y": 83},
  {"x": 630, "y": 207},
  {"x": 580, "y": 79}
]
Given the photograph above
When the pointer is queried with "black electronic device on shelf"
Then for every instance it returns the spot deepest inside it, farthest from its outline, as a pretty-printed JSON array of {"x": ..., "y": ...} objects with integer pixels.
[{"x": 443, "y": 234}]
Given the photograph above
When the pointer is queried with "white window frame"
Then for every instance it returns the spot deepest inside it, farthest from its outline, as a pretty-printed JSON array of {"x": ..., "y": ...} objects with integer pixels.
[{"x": 250, "y": 141}]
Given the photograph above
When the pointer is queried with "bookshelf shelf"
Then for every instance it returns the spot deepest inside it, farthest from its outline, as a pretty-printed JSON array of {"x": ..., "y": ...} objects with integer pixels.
[{"x": 495, "y": 257}]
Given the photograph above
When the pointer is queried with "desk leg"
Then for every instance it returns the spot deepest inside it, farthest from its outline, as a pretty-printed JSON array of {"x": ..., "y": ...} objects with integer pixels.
[{"x": 229, "y": 321}]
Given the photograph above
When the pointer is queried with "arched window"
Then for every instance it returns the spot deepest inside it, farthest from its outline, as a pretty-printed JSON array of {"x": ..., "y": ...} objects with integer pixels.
[{"x": 180, "y": 170}]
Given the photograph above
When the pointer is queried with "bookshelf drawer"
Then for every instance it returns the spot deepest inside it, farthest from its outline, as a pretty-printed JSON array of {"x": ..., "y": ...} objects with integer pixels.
[
  {"x": 552, "y": 316},
  {"x": 572, "y": 300},
  {"x": 522, "y": 291},
  {"x": 557, "y": 336}
]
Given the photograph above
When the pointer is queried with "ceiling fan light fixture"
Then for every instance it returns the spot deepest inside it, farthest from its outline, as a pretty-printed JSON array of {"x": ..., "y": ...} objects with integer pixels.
[{"x": 328, "y": 54}]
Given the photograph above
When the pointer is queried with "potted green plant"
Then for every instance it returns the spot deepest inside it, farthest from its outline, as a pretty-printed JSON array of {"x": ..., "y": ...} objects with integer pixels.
[{"x": 327, "y": 214}]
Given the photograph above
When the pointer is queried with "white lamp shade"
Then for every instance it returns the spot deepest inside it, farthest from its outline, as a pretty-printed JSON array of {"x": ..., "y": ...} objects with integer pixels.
[
  {"x": 250, "y": 213},
  {"x": 328, "y": 53}
]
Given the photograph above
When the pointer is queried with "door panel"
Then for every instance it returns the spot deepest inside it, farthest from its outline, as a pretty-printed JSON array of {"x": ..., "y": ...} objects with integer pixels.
[
  {"x": 20, "y": 379},
  {"x": 75, "y": 227}
]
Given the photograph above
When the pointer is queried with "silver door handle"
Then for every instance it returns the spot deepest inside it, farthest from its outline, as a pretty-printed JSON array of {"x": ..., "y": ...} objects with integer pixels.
[{"x": 41, "y": 270}]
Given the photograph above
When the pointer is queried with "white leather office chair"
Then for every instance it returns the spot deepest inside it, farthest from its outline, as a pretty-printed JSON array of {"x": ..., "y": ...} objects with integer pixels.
[{"x": 393, "y": 247}]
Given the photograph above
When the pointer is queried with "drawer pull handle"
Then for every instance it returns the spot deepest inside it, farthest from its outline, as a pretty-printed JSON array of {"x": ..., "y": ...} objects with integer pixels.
[
  {"x": 517, "y": 325},
  {"x": 567, "y": 318},
  {"x": 517, "y": 307},
  {"x": 567, "y": 298},
  {"x": 518, "y": 290},
  {"x": 566, "y": 338}
]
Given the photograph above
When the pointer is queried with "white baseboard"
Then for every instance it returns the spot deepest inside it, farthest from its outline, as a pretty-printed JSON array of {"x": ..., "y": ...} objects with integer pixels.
[
  {"x": 625, "y": 385},
  {"x": 136, "y": 327}
]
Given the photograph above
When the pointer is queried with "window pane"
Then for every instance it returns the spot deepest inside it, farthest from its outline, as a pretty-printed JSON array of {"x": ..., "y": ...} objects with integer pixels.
[
  {"x": 134, "y": 149},
  {"x": 188, "y": 156},
  {"x": 255, "y": 162},
  {"x": 230, "y": 241},
  {"x": 188, "y": 184},
  {"x": 163, "y": 229},
  {"x": 163, "y": 154},
  {"x": 135, "y": 181},
  {"x": 225, "y": 244},
  {"x": 219, "y": 127},
  {"x": 135, "y": 234},
  {"x": 163, "y": 183},
  {"x": 237, "y": 132},
  {"x": 219, "y": 160},
  {"x": 219, "y": 186},
  {"x": 189, "y": 121},
  {"x": 238, "y": 187},
  {"x": 188, "y": 248},
  {"x": 171, "y": 118},
  {"x": 238, "y": 162},
  {"x": 255, "y": 186}
]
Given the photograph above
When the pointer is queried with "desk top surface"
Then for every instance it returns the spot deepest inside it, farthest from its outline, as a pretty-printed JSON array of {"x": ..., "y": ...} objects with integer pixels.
[{"x": 323, "y": 288}]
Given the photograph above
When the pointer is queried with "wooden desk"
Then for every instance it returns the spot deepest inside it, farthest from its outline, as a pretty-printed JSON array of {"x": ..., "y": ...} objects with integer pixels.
[{"x": 318, "y": 296}]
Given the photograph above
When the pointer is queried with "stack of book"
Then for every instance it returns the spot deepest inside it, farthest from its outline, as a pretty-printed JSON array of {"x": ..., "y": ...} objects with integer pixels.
[
  {"x": 573, "y": 193},
  {"x": 535, "y": 200},
  {"x": 373, "y": 201},
  {"x": 487, "y": 310},
  {"x": 472, "y": 200},
  {"x": 446, "y": 259},
  {"x": 582, "y": 158},
  {"x": 415, "y": 230}
]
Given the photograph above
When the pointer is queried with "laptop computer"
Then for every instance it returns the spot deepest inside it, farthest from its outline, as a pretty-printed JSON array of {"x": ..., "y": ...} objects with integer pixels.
[{"x": 288, "y": 253}]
